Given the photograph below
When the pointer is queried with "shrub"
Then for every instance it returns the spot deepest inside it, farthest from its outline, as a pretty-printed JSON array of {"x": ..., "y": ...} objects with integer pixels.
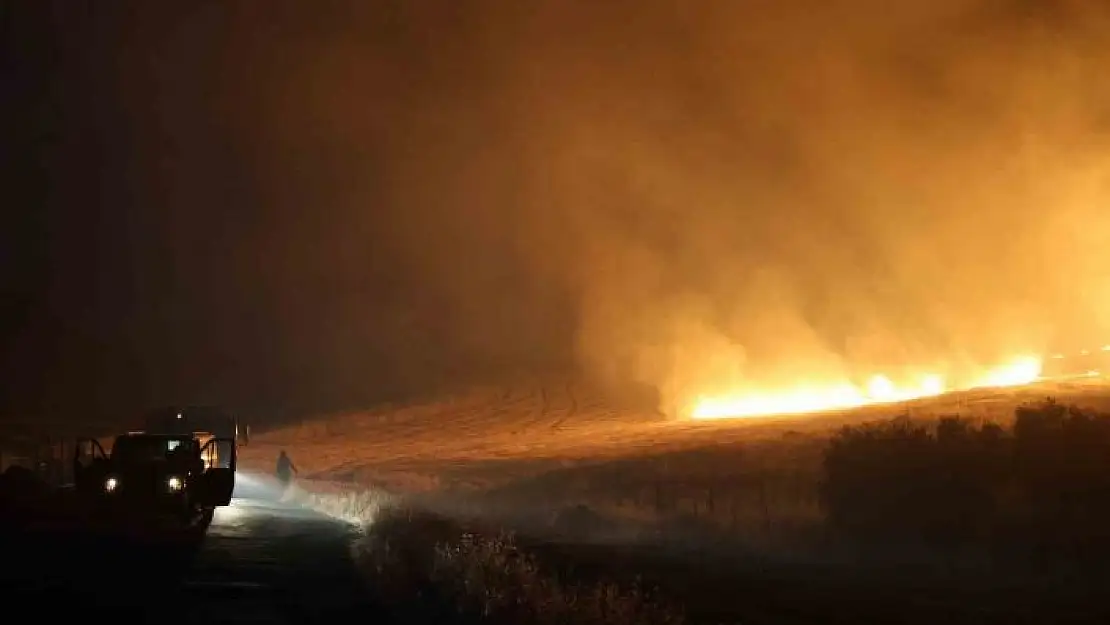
[
  {"x": 1046, "y": 480},
  {"x": 429, "y": 568},
  {"x": 1062, "y": 467}
]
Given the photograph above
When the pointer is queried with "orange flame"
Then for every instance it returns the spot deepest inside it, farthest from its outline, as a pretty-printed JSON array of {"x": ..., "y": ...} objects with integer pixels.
[{"x": 880, "y": 389}]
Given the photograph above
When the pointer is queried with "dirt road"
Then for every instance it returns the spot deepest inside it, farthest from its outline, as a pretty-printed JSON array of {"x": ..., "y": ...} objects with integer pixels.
[{"x": 259, "y": 561}]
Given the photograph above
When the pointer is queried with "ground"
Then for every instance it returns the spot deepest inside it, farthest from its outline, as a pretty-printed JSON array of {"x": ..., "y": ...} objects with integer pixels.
[
  {"x": 715, "y": 512},
  {"x": 593, "y": 477},
  {"x": 261, "y": 561},
  {"x": 561, "y": 444}
]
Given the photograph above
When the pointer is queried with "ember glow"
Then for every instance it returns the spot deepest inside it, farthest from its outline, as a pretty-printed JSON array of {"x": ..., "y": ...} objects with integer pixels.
[{"x": 879, "y": 389}]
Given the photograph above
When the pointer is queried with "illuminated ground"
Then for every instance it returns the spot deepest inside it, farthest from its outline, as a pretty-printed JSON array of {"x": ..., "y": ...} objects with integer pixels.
[
  {"x": 268, "y": 560},
  {"x": 490, "y": 436},
  {"x": 528, "y": 455},
  {"x": 260, "y": 561}
]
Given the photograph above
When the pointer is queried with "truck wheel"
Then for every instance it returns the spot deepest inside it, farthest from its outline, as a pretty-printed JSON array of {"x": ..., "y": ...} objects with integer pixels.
[{"x": 186, "y": 511}]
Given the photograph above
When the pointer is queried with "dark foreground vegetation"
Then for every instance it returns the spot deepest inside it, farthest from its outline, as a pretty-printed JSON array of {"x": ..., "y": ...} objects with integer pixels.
[
  {"x": 430, "y": 569},
  {"x": 1032, "y": 495},
  {"x": 1039, "y": 489}
]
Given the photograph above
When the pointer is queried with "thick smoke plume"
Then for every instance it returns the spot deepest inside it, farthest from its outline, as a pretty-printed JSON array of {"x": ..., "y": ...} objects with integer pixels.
[{"x": 703, "y": 195}]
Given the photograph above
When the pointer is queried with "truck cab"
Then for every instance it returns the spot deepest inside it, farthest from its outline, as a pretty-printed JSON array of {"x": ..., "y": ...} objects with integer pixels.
[{"x": 157, "y": 472}]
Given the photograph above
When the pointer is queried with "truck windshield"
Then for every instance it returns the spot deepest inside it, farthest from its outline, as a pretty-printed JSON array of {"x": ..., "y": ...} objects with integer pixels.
[{"x": 132, "y": 449}]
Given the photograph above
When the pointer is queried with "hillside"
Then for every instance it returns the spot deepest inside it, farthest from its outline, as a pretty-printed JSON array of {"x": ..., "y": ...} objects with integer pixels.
[{"x": 489, "y": 437}]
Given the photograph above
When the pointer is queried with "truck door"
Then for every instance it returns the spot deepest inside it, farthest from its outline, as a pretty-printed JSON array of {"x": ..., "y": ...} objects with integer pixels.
[
  {"x": 89, "y": 464},
  {"x": 218, "y": 479}
]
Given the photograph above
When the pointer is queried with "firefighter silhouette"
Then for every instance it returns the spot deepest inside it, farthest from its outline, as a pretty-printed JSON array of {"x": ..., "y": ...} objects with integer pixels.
[{"x": 285, "y": 468}]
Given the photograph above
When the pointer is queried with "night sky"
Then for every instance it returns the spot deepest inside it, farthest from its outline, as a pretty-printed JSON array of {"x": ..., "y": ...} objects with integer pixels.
[
  {"x": 286, "y": 207},
  {"x": 164, "y": 242}
]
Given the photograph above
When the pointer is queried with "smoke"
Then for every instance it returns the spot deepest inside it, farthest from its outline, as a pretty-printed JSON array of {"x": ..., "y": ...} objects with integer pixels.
[
  {"x": 706, "y": 195},
  {"x": 767, "y": 195}
]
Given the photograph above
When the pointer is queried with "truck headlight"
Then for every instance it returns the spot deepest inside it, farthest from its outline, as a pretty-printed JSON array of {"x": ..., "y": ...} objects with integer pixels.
[
  {"x": 111, "y": 484},
  {"x": 174, "y": 484}
]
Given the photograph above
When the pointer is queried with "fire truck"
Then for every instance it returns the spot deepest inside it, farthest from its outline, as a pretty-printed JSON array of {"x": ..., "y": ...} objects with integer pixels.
[
  {"x": 209, "y": 435},
  {"x": 154, "y": 473}
]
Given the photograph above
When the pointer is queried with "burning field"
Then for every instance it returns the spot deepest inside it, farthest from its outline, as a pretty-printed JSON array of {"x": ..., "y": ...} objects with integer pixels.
[
  {"x": 879, "y": 389},
  {"x": 613, "y": 488},
  {"x": 485, "y": 437}
]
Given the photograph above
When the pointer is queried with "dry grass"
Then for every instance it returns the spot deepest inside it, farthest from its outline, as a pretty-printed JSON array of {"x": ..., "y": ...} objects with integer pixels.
[
  {"x": 735, "y": 510},
  {"x": 490, "y": 576},
  {"x": 347, "y": 502},
  {"x": 557, "y": 459},
  {"x": 483, "y": 436},
  {"x": 428, "y": 568}
]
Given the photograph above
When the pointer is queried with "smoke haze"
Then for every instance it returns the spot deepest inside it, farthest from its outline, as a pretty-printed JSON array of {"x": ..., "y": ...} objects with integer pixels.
[{"x": 692, "y": 195}]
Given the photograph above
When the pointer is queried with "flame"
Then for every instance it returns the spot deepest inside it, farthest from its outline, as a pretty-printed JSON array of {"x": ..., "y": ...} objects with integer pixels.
[
  {"x": 879, "y": 389},
  {"x": 1019, "y": 371}
]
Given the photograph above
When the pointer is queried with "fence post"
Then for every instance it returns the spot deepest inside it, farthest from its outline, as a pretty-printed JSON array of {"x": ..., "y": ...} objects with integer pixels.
[{"x": 763, "y": 503}]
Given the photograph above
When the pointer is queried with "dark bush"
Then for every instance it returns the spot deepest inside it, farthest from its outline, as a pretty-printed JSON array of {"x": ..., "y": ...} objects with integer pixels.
[
  {"x": 430, "y": 569},
  {"x": 1044, "y": 482},
  {"x": 900, "y": 478},
  {"x": 1062, "y": 465}
]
